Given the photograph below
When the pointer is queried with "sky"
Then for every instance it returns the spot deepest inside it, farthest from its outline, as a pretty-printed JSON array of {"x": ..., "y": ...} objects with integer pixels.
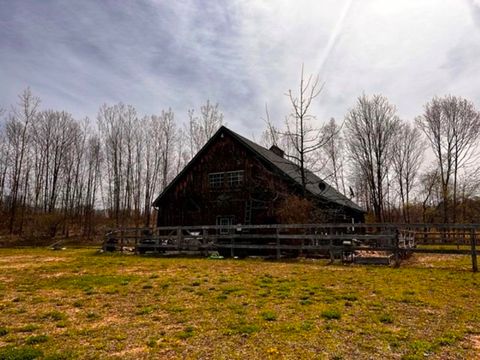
[{"x": 242, "y": 54}]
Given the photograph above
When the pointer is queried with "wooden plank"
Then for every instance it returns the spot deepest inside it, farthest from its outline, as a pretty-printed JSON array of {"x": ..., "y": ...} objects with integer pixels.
[
  {"x": 473, "y": 242},
  {"x": 376, "y": 260},
  {"x": 407, "y": 227},
  {"x": 440, "y": 251},
  {"x": 282, "y": 226},
  {"x": 313, "y": 236}
]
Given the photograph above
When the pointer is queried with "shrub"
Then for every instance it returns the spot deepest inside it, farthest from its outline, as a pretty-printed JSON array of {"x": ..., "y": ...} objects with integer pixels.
[{"x": 301, "y": 215}]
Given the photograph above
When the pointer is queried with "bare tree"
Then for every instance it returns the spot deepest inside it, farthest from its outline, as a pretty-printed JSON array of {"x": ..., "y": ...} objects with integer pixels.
[
  {"x": 62, "y": 171},
  {"x": 302, "y": 136},
  {"x": 167, "y": 136},
  {"x": 4, "y": 164},
  {"x": 110, "y": 123},
  {"x": 93, "y": 162},
  {"x": 181, "y": 149},
  {"x": 452, "y": 126},
  {"x": 54, "y": 133},
  {"x": 160, "y": 159},
  {"x": 201, "y": 128},
  {"x": 371, "y": 129},
  {"x": 430, "y": 190},
  {"x": 18, "y": 136},
  {"x": 407, "y": 157},
  {"x": 271, "y": 135},
  {"x": 358, "y": 188},
  {"x": 469, "y": 187},
  {"x": 334, "y": 151}
]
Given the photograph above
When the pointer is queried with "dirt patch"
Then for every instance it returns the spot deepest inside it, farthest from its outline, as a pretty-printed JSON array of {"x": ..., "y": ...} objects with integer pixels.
[
  {"x": 475, "y": 341},
  {"x": 432, "y": 260},
  {"x": 24, "y": 261},
  {"x": 131, "y": 353}
]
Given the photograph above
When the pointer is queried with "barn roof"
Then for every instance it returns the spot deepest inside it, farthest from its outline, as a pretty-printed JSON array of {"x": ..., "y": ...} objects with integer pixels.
[{"x": 314, "y": 186}]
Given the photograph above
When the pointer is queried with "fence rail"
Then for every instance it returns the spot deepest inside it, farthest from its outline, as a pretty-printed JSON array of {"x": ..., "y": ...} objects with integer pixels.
[{"x": 349, "y": 242}]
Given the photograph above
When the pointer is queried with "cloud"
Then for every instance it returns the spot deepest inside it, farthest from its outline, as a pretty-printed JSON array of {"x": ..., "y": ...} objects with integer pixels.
[{"x": 240, "y": 53}]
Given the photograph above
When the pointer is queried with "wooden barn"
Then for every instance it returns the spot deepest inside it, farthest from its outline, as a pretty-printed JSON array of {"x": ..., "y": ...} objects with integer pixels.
[{"x": 233, "y": 180}]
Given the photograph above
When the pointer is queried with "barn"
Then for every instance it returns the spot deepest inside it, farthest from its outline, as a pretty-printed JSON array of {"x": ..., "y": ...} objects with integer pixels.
[{"x": 233, "y": 180}]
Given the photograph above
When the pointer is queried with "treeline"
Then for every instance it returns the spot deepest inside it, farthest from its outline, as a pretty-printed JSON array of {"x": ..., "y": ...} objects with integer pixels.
[
  {"x": 64, "y": 176},
  {"x": 422, "y": 170}
]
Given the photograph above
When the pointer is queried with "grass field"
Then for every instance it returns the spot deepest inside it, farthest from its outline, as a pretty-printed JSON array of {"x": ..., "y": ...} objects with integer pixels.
[{"x": 80, "y": 304}]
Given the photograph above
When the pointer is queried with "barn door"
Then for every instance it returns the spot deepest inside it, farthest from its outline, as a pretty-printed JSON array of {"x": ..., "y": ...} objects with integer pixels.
[{"x": 225, "y": 221}]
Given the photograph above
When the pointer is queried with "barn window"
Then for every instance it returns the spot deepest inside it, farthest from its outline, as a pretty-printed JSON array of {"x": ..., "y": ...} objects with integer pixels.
[
  {"x": 215, "y": 180},
  {"x": 235, "y": 178}
]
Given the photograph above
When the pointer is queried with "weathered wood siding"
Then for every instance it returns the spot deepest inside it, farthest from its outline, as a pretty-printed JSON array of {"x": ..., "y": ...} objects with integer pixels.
[{"x": 192, "y": 201}]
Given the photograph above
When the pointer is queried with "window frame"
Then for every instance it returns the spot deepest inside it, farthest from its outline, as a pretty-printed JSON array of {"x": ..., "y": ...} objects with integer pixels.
[
  {"x": 216, "y": 180},
  {"x": 235, "y": 178}
]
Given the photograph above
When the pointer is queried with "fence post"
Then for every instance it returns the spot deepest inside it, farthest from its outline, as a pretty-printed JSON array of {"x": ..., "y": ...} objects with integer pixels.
[
  {"x": 204, "y": 242},
  {"x": 179, "y": 237},
  {"x": 302, "y": 242},
  {"x": 473, "y": 244},
  {"x": 397, "y": 248},
  {"x": 278, "y": 243},
  {"x": 332, "y": 255},
  {"x": 330, "y": 245},
  {"x": 232, "y": 245}
]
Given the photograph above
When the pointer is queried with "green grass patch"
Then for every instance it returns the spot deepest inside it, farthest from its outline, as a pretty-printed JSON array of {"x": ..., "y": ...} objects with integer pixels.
[
  {"x": 29, "y": 328},
  {"x": 36, "y": 339},
  {"x": 269, "y": 316},
  {"x": 331, "y": 314},
  {"x": 54, "y": 315},
  {"x": 64, "y": 355},
  {"x": 186, "y": 333},
  {"x": 20, "y": 353},
  {"x": 242, "y": 327},
  {"x": 86, "y": 305},
  {"x": 145, "y": 310},
  {"x": 386, "y": 319}
]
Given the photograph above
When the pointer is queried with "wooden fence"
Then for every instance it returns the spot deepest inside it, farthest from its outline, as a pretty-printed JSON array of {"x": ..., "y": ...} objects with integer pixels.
[{"x": 367, "y": 243}]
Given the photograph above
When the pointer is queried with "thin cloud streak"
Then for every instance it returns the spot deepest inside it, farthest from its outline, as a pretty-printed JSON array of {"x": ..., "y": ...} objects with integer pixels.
[{"x": 334, "y": 36}]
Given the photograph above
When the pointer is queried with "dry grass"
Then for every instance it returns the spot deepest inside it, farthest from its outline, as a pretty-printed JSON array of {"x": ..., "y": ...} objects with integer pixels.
[{"x": 79, "y": 304}]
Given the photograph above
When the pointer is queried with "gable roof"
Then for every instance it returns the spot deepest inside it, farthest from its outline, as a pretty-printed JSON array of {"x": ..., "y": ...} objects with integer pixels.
[{"x": 314, "y": 186}]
